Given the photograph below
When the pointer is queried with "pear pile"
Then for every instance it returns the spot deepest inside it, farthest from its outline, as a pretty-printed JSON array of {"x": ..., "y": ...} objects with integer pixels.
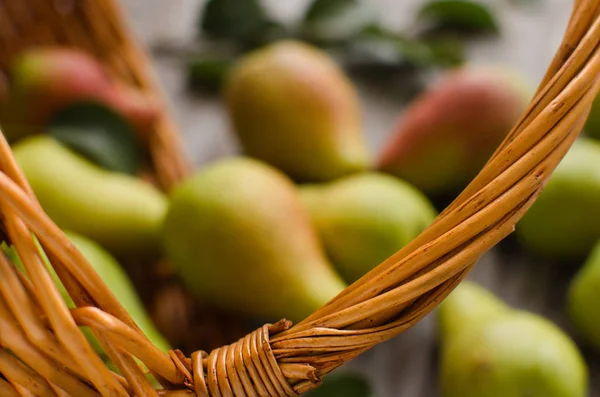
[
  {"x": 307, "y": 207},
  {"x": 283, "y": 228}
]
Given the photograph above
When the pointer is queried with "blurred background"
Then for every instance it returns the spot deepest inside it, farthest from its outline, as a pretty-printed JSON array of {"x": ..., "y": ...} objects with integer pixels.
[{"x": 531, "y": 31}]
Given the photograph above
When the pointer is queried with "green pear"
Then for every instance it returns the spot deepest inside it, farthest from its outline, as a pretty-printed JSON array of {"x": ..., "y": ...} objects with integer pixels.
[
  {"x": 111, "y": 272},
  {"x": 583, "y": 297},
  {"x": 121, "y": 212},
  {"x": 490, "y": 349},
  {"x": 239, "y": 236},
  {"x": 563, "y": 222},
  {"x": 292, "y": 107},
  {"x": 363, "y": 219},
  {"x": 117, "y": 280}
]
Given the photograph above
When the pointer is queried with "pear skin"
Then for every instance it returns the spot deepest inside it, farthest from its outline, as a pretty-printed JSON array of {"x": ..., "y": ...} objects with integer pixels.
[
  {"x": 504, "y": 352},
  {"x": 239, "y": 236},
  {"x": 291, "y": 106},
  {"x": 449, "y": 131},
  {"x": 583, "y": 297},
  {"x": 122, "y": 213},
  {"x": 562, "y": 223},
  {"x": 363, "y": 219},
  {"x": 45, "y": 81}
]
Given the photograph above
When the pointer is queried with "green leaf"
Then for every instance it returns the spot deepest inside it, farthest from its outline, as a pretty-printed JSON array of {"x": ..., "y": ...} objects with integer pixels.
[
  {"x": 100, "y": 134},
  {"x": 208, "y": 73},
  {"x": 240, "y": 20},
  {"x": 459, "y": 16},
  {"x": 379, "y": 49},
  {"x": 344, "y": 385},
  {"x": 446, "y": 51},
  {"x": 329, "y": 21},
  {"x": 526, "y": 3}
]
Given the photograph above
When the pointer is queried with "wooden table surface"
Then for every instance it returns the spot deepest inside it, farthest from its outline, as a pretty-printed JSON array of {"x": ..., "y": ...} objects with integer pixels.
[{"x": 405, "y": 366}]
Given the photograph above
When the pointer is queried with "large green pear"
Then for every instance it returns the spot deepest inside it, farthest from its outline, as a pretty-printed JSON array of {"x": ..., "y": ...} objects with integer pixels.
[
  {"x": 583, "y": 299},
  {"x": 121, "y": 212},
  {"x": 239, "y": 236},
  {"x": 492, "y": 350},
  {"x": 363, "y": 219},
  {"x": 563, "y": 222},
  {"x": 292, "y": 107},
  {"x": 113, "y": 275}
]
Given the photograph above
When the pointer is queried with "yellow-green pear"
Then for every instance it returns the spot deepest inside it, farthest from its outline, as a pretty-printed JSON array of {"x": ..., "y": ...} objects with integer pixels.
[
  {"x": 363, "y": 219},
  {"x": 584, "y": 297},
  {"x": 113, "y": 275},
  {"x": 563, "y": 222},
  {"x": 120, "y": 212},
  {"x": 490, "y": 349},
  {"x": 239, "y": 236},
  {"x": 292, "y": 107}
]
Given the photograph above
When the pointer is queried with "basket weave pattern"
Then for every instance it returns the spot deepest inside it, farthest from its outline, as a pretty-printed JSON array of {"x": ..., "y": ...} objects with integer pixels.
[{"x": 50, "y": 357}]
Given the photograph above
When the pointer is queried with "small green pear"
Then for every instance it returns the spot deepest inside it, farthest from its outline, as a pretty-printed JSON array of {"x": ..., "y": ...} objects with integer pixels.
[
  {"x": 563, "y": 222},
  {"x": 111, "y": 272},
  {"x": 490, "y": 349},
  {"x": 239, "y": 236},
  {"x": 363, "y": 219},
  {"x": 292, "y": 107},
  {"x": 583, "y": 297},
  {"x": 122, "y": 213}
]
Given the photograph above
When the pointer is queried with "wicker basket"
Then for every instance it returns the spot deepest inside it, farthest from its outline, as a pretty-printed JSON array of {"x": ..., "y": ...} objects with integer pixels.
[{"x": 50, "y": 357}]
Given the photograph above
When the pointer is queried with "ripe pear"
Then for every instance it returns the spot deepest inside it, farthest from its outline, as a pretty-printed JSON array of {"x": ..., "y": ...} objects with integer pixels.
[
  {"x": 562, "y": 223},
  {"x": 490, "y": 349},
  {"x": 120, "y": 212},
  {"x": 583, "y": 297},
  {"x": 447, "y": 134},
  {"x": 239, "y": 236},
  {"x": 291, "y": 106},
  {"x": 363, "y": 219},
  {"x": 44, "y": 81}
]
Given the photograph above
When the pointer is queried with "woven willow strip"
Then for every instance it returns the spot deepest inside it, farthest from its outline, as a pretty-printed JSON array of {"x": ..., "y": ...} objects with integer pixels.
[{"x": 44, "y": 354}]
